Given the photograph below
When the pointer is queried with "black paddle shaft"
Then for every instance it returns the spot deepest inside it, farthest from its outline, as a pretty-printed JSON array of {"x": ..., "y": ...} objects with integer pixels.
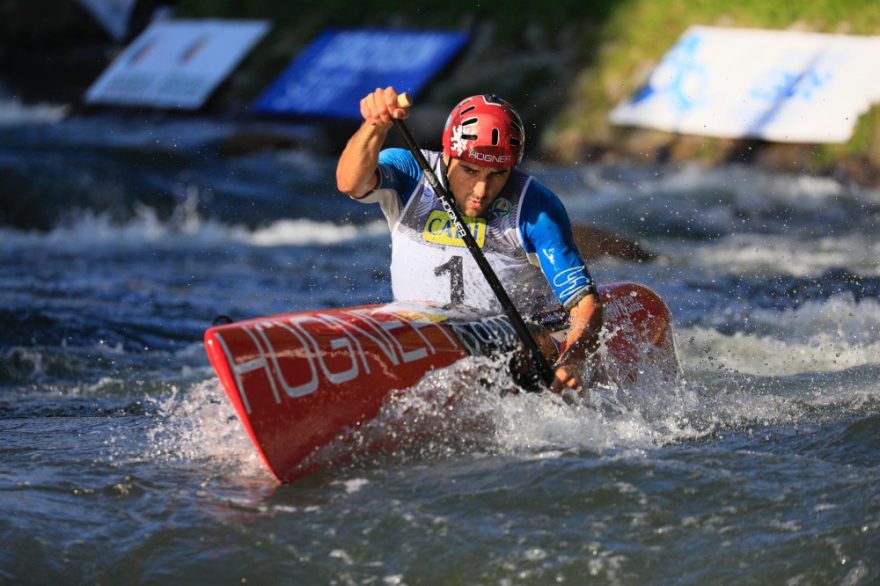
[{"x": 516, "y": 320}]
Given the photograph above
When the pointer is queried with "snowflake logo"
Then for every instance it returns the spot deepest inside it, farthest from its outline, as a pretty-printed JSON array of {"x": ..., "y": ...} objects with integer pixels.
[{"x": 459, "y": 144}]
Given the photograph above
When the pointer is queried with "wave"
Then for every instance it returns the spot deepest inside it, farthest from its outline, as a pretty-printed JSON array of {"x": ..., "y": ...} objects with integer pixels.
[
  {"x": 48, "y": 173},
  {"x": 748, "y": 187},
  {"x": 820, "y": 336},
  {"x": 691, "y": 202},
  {"x": 185, "y": 229},
  {"x": 14, "y": 112},
  {"x": 777, "y": 254},
  {"x": 306, "y": 232},
  {"x": 198, "y": 425}
]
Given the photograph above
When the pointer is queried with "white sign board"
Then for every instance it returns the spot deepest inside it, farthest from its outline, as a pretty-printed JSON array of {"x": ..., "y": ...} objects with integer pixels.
[
  {"x": 176, "y": 63},
  {"x": 778, "y": 86}
]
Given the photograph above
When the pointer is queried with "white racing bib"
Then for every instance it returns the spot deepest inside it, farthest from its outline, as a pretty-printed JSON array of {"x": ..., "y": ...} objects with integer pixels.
[{"x": 430, "y": 263}]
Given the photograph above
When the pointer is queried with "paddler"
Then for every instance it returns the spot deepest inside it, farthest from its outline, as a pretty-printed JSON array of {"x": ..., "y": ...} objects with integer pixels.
[{"x": 520, "y": 225}]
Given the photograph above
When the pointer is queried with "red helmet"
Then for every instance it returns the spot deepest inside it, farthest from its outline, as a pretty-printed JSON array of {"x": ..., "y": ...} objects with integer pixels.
[{"x": 484, "y": 130}]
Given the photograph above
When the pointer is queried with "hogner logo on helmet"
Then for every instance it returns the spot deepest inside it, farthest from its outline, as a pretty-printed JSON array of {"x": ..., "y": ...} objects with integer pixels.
[{"x": 484, "y": 130}]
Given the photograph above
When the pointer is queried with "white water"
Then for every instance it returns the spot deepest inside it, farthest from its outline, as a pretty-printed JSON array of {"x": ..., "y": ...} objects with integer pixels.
[
  {"x": 774, "y": 254},
  {"x": 88, "y": 231},
  {"x": 195, "y": 423},
  {"x": 14, "y": 112},
  {"x": 817, "y": 337},
  {"x": 748, "y": 371}
]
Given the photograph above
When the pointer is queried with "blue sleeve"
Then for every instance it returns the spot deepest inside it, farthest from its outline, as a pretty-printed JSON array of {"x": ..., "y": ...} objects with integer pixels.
[
  {"x": 546, "y": 233},
  {"x": 398, "y": 170}
]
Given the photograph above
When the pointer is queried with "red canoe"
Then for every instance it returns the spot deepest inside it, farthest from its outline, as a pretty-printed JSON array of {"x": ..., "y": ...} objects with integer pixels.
[{"x": 299, "y": 380}]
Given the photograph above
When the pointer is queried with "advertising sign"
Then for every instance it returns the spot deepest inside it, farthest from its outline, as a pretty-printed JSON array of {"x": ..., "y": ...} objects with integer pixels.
[
  {"x": 176, "y": 63},
  {"x": 329, "y": 78},
  {"x": 780, "y": 86}
]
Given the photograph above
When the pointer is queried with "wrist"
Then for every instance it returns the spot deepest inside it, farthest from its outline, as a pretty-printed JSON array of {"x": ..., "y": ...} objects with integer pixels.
[{"x": 377, "y": 127}]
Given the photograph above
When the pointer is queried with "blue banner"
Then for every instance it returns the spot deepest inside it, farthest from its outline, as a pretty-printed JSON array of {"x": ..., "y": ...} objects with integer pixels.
[{"x": 332, "y": 74}]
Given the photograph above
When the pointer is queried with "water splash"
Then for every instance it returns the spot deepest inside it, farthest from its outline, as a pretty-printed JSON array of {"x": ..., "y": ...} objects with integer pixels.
[
  {"x": 198, "y": 426},
  {"x": 474, "y": 407}
]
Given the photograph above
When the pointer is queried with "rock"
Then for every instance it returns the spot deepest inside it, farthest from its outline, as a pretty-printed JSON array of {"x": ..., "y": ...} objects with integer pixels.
[{"x": 593, "y": 243}]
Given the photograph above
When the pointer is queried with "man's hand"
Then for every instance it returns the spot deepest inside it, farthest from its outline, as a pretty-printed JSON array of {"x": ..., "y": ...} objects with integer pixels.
[
  {"x": 380, "y": 107},
  {"x": 566, "y": 376},
  {"x": 581, "y": 342},
  {"x": 356, "y": 170}
]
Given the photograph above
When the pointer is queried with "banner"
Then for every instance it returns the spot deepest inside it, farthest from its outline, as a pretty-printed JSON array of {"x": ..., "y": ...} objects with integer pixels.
[
  {"x": 780, "y": 86},
  {"x": 176, "y": 63},
  {"x": 340, "y": 67}
]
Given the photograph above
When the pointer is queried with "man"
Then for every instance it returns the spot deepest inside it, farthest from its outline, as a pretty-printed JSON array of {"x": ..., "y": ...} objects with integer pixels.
[{"x": 520, "y": 225}]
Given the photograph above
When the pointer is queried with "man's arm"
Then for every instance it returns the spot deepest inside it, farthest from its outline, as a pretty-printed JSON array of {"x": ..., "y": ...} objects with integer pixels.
[
  {"x": 582, "y": 340},
  {"x": 356, "y": 170},
  {"x": 546, "y": 233}
]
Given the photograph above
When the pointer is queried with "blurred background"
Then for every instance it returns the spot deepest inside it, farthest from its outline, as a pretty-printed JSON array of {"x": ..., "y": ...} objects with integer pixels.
[{"x": 565, "y": 64}]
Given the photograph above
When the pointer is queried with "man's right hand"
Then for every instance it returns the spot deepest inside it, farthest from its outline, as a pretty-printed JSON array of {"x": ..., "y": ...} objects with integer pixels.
[
  {"x": 356, "y": 170},
  {"x": 380, "y": 107}
]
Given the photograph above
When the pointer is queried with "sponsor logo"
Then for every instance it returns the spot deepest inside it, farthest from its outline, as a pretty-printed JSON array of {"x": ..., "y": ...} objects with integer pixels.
[
  {"x": 290, "y": 358},
  {"x": 458, "y": 143},
  {"x": 570, "y": 281},
  {"x": 488, "y": 336},
  {"x": 410, "y": 315},
  {"x": 297, "y": 356},
  {"x": 440, "y": 229},
  {"x": 487, "y": 158},
  {"x": 502, "y": 207}
]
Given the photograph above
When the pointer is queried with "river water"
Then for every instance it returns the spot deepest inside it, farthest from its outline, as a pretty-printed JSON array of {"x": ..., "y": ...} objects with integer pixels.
[{"x": 122, "y": 461}]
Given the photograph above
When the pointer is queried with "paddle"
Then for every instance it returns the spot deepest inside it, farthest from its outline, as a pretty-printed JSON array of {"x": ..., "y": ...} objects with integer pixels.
[{"x": 544, "y": 372}]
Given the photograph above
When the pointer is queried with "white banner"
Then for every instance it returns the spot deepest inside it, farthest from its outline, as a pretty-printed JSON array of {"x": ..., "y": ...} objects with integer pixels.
[
  {"x": 778, "y": 86},
  {"x": 176, "y": 63}
]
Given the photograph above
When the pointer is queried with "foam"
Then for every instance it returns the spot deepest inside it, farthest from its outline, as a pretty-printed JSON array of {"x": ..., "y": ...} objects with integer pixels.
[
  {"x": 447, "y": 413},
  {"x": 306, "y": 232},
  {"x": 751, "y": 188},
  {"x": 14, "y": 112},
  {"x": 90, "y": 231},
  {"x": 199, "y": 424},
  {"x": 770, "y": 254},
  {"x": 819, "y": 336}
]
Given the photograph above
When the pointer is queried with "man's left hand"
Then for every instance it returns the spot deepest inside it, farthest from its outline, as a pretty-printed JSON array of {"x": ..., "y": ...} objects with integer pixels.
[{"x": 566, "y": 376}]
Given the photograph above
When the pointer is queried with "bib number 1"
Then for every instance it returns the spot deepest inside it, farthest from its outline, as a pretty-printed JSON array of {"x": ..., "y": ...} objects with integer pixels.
[{"x": 455, "y": 267}]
